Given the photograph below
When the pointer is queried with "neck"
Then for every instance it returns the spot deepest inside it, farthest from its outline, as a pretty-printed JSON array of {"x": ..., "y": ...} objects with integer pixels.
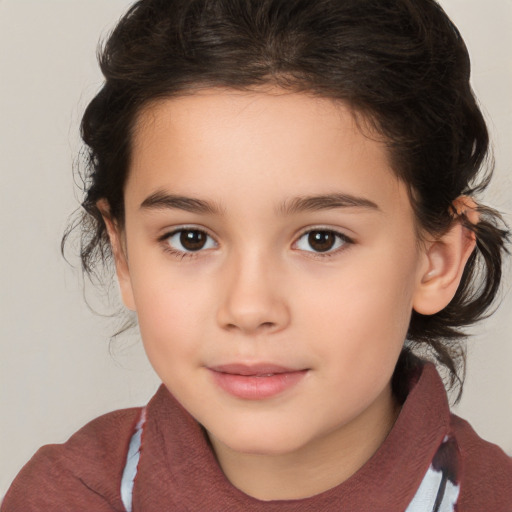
[{"x": 321, "y": 464}]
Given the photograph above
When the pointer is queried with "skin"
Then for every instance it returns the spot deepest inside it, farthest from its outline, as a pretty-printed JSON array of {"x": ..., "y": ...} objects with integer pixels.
[{"x": 258, "y": 291}]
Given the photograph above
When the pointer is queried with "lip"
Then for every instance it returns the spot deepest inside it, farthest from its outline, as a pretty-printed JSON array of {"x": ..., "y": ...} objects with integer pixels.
[{"x": 255, "y": 381}]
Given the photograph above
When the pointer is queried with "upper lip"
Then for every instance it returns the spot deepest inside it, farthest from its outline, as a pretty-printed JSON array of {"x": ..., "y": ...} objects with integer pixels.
[{"x": 252, "y": 369}]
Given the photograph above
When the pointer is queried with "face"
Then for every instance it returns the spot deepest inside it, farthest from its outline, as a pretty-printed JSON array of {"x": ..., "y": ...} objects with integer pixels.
[{"x": 272, "y": 260}]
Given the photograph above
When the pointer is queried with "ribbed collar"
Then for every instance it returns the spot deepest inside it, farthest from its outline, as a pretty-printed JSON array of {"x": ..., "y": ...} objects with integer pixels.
[{"x": 178, "y": 470}]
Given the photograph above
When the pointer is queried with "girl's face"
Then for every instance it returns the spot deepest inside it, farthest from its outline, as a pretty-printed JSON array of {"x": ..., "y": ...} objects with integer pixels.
[{"x": 272, "y": 260}]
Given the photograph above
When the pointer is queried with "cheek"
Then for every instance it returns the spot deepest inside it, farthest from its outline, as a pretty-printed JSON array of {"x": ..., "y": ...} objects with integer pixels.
[
  {"x": 363, "y": 309},
  {"x": 362, "y": 327},
  {"x": 350, "y": 295},
  {"x": 172, "y": 311}
]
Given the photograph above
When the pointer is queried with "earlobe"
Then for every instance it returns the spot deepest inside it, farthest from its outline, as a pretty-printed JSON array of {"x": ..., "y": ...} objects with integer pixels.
[
  {"x": 446, "y": 259},
  {"x": 119, "y": 253}
]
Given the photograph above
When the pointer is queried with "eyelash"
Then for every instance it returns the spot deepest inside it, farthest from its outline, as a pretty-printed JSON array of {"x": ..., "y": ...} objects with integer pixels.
[
  {"x": 177, "y": 253},
  {"x": 346, "y": 241}
]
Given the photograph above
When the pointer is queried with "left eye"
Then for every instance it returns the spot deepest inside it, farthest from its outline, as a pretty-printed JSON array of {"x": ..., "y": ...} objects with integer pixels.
[
  {"x": 190, "y": 240},
  {"x": 321, "y": 240}
]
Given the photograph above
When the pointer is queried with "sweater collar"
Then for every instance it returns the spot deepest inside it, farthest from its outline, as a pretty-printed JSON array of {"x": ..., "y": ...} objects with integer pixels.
[{"x": 178, "y": 467}]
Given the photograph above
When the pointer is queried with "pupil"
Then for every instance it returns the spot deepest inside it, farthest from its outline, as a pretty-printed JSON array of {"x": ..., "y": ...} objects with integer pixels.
[
  {"x": 192, "y": 240},
  {"x": 321, "y": 241}
]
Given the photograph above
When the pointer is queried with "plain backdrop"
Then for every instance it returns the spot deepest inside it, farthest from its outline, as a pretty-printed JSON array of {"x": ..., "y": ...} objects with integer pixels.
[{"x": 57, "y": 367}]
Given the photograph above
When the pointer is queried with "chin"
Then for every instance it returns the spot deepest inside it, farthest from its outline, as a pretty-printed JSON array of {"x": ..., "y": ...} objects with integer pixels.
[{"x": 254, "y": 442}]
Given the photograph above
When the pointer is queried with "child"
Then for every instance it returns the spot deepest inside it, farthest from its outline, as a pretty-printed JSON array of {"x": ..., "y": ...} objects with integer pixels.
[{"x": 286, "y": 188}]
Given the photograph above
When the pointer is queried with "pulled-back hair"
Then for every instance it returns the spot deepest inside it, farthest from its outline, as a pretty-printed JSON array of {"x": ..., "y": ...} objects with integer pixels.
[{"x": 401, "y": 64}]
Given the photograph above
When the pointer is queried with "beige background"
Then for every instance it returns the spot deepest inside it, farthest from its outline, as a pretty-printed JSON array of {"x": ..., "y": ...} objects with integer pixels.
[{"x": 56, "y": 368}]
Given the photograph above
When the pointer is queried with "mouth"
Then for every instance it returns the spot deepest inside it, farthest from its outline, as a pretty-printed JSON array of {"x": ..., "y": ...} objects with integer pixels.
[
  {"x": 253, "y": 370},
  {"x": 256, "y": 381}
]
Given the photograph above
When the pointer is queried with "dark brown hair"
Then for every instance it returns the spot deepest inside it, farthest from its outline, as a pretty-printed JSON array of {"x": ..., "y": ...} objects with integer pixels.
[{"x": 402, "y": 64}]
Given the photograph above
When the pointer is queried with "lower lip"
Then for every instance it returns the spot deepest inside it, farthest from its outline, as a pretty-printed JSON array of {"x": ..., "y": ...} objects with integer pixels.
[{"x": 251, "y": 387}]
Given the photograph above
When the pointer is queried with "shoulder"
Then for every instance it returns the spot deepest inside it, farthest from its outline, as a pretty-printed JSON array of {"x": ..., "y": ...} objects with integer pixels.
[
  {"x": 82, "y": 474},
  {"x": 486, "y": 479}
]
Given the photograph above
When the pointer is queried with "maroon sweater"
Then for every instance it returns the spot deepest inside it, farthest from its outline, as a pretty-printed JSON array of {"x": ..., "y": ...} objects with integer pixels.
[{"x": 177, "y": 470}]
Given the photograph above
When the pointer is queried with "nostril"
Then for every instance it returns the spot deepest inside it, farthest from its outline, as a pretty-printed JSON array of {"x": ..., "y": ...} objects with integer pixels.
[{"x": 244, "y": 327}]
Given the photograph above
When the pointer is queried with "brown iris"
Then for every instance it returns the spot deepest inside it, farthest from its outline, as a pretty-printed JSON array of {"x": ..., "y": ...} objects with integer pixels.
[
  {"x": 321, "y": 241},
  {"x": 193, "y": 240}
]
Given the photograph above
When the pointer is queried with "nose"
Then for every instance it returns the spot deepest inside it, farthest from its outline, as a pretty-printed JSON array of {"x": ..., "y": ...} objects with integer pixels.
[{"x": 254, "y": 300}]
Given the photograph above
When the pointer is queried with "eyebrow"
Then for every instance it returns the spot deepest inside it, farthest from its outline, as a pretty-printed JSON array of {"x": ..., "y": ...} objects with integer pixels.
[
  {"x": 325, "y": 202},
  {"x": 164, "y": 201}
]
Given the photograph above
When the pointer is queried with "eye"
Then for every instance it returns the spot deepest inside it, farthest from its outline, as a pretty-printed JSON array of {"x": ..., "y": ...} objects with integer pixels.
[
  {"x": 321, "y": 241},
  {"x": 188, "y": 240}
]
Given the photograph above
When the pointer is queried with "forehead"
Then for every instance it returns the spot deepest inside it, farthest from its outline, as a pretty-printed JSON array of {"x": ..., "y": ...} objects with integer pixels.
[
  {"x": 265, "y": 143},
  {"x": 193, "y": 116}
]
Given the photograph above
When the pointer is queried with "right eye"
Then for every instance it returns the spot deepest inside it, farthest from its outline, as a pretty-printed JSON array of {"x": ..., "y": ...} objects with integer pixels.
[{"x": 189, "y": 240}]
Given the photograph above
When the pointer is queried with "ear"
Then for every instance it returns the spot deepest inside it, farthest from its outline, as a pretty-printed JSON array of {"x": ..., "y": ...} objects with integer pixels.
[
  {"x": 118, "y": 246},
  {"x": 446, "y": 258}
]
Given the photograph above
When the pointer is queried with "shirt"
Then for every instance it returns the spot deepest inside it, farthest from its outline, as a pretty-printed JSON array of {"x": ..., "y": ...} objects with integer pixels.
[{"x": 177, "y": 469}]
